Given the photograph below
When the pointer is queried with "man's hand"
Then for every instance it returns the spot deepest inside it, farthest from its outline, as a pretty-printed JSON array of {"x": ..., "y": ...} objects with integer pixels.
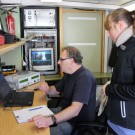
[
  {"x": 104, "y": 88},
  {"x": 42, "y": 122},
  {"x": 44, "y": 87}
]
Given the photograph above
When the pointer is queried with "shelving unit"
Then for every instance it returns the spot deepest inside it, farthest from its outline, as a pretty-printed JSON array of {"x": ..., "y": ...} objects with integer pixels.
[{"x": 8, "y": 47}]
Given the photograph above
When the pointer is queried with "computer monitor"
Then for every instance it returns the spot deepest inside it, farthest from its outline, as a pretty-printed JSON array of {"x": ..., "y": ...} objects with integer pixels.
[{"x": 41, "y": 59}]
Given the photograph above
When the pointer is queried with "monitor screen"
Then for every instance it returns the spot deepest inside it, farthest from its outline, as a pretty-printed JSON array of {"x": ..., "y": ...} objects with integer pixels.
[{"x": 41, "y": 59}]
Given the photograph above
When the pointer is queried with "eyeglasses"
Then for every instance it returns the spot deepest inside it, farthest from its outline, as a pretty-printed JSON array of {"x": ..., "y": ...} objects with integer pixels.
[{"x": 62, "y": 59}]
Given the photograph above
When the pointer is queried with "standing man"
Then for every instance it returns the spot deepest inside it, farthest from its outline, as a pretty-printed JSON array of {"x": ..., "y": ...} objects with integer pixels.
[{"x": 79, "y": 95}]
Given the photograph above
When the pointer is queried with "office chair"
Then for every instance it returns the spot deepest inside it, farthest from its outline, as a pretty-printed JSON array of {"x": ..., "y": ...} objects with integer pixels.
[
  {"x": 98, "y": 127},
  {"x": 53, "y": 102}
]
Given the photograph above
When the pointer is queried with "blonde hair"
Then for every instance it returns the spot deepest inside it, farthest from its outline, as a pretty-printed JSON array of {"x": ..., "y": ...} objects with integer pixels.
[{"x": 120, "y": 14}]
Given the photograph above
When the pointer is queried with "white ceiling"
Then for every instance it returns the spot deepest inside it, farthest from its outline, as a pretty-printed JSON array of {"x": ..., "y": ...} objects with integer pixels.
[
  {"x": 108, "y": 2},
  {"x": 84, "y": 4}
]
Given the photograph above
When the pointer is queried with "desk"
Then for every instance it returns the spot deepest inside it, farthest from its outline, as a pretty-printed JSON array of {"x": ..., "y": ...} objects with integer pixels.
[
  {"x": 98, "y": 75},
  {"x": 102, "y": 78},
  {"x": 9, "y": 125},
  {"x": 52, "y": 79},
  {"x": 57, "y": 77}
]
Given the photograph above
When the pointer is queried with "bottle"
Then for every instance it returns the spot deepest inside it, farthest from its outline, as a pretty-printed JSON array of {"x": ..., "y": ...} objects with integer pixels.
[{"x": 10, "y": 24}]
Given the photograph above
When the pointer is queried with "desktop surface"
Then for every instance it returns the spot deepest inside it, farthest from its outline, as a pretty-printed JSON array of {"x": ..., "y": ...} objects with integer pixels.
[{"x": 9, "y": 125}]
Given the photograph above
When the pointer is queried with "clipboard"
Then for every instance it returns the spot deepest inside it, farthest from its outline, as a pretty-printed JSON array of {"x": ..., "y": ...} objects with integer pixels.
[{"x": 23, "y": 115}]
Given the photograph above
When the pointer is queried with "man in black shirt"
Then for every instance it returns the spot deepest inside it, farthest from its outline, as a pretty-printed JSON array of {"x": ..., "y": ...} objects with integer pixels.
[{"x": 78, "y": 87}]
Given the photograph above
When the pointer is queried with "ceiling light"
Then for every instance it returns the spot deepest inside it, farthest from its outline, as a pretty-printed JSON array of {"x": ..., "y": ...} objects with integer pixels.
[{"x": 51, "y": 0}]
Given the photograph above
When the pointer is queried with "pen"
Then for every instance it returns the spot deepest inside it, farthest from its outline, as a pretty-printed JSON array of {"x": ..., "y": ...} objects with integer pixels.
[{"x": 35, "y": 108}]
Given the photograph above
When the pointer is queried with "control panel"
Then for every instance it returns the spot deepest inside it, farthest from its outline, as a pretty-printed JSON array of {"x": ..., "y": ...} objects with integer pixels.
[
  {"x": 18, "y": 81},
  {"x": 39, "y": 18}
]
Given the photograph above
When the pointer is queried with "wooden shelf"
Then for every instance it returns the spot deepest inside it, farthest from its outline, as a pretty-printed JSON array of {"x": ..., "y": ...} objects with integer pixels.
[{"x": 8, "y": 47}]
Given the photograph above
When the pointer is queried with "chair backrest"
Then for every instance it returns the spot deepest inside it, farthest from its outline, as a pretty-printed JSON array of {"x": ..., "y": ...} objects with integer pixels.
[
  {"x": 98, "y": 91},
  {"x": 99, "y": 127},
  {"x": 100, "y": 110}
]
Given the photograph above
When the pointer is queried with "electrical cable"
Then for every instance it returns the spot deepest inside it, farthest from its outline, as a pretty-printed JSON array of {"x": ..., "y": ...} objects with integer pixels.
[{"x": 6, "y": 108}]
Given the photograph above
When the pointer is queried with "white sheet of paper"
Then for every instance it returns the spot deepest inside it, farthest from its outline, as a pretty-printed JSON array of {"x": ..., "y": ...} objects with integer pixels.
[{"x": 24, "y": 115}]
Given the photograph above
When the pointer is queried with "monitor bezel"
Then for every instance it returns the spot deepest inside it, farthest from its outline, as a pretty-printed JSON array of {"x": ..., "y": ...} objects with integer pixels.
[{"x": 43, "y": 67}]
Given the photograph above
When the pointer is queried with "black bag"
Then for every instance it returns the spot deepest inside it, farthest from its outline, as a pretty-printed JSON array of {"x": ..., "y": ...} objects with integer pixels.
[{"x": 9, "y": 38}]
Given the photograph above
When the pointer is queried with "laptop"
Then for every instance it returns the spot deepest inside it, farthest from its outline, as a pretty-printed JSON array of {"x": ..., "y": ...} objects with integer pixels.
[{"x": 11, "y": 98}]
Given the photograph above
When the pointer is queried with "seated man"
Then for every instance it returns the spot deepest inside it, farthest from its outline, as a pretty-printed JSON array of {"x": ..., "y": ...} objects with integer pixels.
[{"x": 79, "y": 95}]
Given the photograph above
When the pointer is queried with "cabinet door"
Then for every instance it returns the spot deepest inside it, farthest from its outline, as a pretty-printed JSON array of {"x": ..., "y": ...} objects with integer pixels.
[{"x": 83, "y": 29}]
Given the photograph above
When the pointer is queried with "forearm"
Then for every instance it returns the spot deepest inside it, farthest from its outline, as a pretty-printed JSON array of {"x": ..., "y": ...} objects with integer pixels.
[
  {"x": 69, "y": 113},
  {"x": 52, "y": 91}
]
